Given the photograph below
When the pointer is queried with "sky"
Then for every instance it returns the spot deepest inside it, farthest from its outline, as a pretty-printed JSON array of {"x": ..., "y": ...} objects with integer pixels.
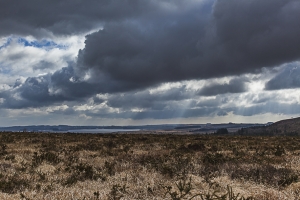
[{"x": 134, "y": 62}]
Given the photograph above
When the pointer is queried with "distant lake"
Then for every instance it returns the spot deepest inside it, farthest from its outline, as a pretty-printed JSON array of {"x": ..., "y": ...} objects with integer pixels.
[{"x": 97, "y": 130}]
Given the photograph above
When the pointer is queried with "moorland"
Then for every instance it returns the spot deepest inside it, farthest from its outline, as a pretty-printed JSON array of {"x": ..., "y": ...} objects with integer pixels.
[{"x": 148, "y": 165}]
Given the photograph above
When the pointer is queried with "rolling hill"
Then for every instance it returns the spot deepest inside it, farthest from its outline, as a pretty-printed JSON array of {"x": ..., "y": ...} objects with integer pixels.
[{"x": 283, "y": 127}]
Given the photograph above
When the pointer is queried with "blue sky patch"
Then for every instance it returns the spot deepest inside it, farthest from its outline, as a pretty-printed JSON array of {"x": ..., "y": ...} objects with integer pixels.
[
  {"x": 4, "y": 70},
  {"x": 45, "y": 44},
  {"x": 6, "y": 43}
]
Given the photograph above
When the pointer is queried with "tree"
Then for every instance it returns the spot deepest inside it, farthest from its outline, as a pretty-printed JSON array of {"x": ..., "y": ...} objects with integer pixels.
[{"x": 222, "y": 131}]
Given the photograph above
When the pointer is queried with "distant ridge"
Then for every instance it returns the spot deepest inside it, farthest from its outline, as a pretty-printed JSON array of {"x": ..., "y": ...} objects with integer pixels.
[
  {"x": 194, "y": 128},
  {"x": 286, "y": 126},
  {"x": 282, "y": 127}
]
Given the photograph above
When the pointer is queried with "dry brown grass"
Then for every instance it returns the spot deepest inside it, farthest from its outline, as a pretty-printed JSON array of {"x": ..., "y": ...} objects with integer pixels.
[{"x": 148, "y": 166}]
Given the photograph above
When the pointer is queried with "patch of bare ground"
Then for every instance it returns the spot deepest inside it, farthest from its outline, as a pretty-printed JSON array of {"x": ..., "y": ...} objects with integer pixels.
[{"x": 148, "y": 166}]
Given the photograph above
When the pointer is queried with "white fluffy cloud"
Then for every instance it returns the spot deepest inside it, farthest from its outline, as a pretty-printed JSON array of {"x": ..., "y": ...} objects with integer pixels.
[{"x": 28, "y": 57}]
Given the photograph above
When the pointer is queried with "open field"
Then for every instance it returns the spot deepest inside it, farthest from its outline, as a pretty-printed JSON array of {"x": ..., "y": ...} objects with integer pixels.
[{"x": 148, "y": 166}]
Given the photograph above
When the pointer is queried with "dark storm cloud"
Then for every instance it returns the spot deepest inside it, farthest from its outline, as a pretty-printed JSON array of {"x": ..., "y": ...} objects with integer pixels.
[
  {"x": 97, "y": 100},
  {"x": 35, "y": 89},
  {"x": 3, "y": 94},
  {"x": 212, "y": 102},
  {"x": 145, "y": 99},
  {"x": 240, "y": 37},
  {"x": 253, "y": 34},
  {"x": 34, "y": 92},
  {"x": 48, "y": 89},
  {"x": 287, "y": 79},
  {"x": 142, "y": 53},
  {"x": 35, "y": 17},
  {"x": 65, "y": 17},
  {"x": 143, "y": 44},
  {"x": 64, "y": 82},
  {"x": 234, "y": 86}
]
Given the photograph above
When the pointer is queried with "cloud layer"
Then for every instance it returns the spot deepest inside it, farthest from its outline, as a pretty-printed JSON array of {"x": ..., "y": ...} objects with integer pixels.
[{"x": 149, "y": 59}]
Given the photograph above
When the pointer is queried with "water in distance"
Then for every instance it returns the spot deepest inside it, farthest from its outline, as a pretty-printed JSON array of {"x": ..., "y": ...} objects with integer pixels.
[{"x": 97, "y": 130}]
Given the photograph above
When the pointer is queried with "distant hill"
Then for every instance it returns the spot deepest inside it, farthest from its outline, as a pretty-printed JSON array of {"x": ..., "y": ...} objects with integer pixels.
[
  {"x": 283, "y": 127},
  {"x": 192, "y": 128}
]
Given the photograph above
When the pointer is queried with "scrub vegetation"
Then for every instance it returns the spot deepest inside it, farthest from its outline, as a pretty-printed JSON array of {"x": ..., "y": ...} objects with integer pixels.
[{"x": 148, "y": 165}]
